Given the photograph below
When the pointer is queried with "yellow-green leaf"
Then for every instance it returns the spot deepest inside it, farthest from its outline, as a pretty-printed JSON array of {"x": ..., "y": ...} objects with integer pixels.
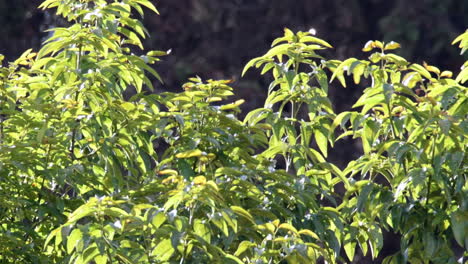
[
  {"x": 148, "y": 5},
  {"x": 322, "y": 141},
  {"x": 392, "y": 45},
  {"x": 368, "y": 46},
  {"x": 73, "y": 239},
  {"x": 308, "y": 232},
  {"x": 421, "y": 70},
  {"x": 189, "y": 154},
  {"x": 288, "y": 227},
  {"x": 242, "y": 212},
  {"x": 446, "y": 74},
  {"x": 243, "y": 246}
]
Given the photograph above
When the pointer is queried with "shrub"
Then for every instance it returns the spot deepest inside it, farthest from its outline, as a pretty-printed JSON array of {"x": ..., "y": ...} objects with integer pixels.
[{"x": 88, "y": 175}]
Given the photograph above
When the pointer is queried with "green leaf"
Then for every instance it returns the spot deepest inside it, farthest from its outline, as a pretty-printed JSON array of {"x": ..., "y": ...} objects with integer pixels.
[
  {"x": 267, "y": 67},
  {"x": 242, "y": 212},
  {"x": 430, "y": 244},
  {"x": 148, "y": 5},
  {"x": 49, "y": 4},
  {"x": 358, "y": 68},
  {"x": 202, "y": 230},
  {"x": 388, "y": 92},
  {"x": 132, "y": 38},
  {"x": 73, "y": 239},
  {"x": 101, "y": 259},
  {"x": 375, "y": 241},
  {"x": 309, "y": 233},
  {"x": 375, "y": 57},
  {"x": 159, "y": 219},
  {"x": 250, "y": 64},
  {"x": 363, "y": 197},
  {"x": 115, "y": 212},
  {"x": 288, "y": 227},
  {"x": 421, "y": 70},
  {"x": 322, "y": 141},
  {"x": 243, "y": 246},
  {"x": 315, "y": 40},
  {"x": 400, "y": 61},
  {"x": 368, "y": 46},
  {"x": 228, "y": 257},
  {"x": 222, "y": 225},
  {"x": 341, "y": 120},
  {"x": 89, "y": 254},
  {"x": 164, "y": 250},
  {"x": 189, "y": 154},
  {"x": 462, "y": 77},
  {"x": 277, "y": 50},
  {"x": 276, "y": 149},
  {"x": 460, "y": 37},
  {"x": 41, "y": 132},
  {"x": 445, "y": 125},
  {"x": 349, "y": 246},
  {"x": 257, "y": 115},
  {"x": 315, "y": 155},
  {"x": 459, "y": 223},
  {"x": 339, "y": 71},
  {"x": 51, "y": 235},
  {"x": 82, "y": 211},
  {"x": 392, "y": 45}
]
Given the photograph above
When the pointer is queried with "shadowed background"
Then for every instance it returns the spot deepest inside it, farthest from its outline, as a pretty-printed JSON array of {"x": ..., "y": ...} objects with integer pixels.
[{"x": 215, "y": 39}]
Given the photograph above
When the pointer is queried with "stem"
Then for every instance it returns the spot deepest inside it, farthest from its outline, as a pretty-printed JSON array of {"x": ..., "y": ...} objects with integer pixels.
[
  {"x": 287, "y": 159},
  {"x": 1, "y": 128},
  {"x": 382, "y": 62},
  {"x": 35, "y": 221},
  {"x": 429, "y": 180},
  {"x": 298, "y": 108},
  {"x": 104, "y": 233},
  {"x": 74, "y": 131},
  {"x": 272, "y": 246},
  {"x": 183, "y": 255},
  {"x": 39, "y": 197},
  {"x": 182, "y": 260},
  {"x": 2, "y": 117},
  {"x": 292, "y": 111},
  {"x": 296, "y": 71},
  {"x": 392, "y": 124}
]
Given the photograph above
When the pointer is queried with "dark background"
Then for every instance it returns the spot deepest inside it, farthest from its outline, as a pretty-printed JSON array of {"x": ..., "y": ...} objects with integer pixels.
[{"x": 216, "y": 38}]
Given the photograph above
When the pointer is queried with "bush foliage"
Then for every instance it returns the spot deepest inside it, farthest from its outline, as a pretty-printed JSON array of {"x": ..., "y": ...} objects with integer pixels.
[{"x": 88, "y": 175}]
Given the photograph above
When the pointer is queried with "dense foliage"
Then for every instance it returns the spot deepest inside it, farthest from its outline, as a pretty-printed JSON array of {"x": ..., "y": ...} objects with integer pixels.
[{"x": 88, "y": 175}]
